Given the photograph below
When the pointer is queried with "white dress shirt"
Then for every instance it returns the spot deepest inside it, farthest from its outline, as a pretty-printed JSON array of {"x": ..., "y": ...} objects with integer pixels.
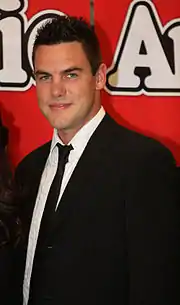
[{"x": 79, "y": 143}]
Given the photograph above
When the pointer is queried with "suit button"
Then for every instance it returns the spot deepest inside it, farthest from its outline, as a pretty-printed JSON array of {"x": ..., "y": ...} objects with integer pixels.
[{"x": 49, "y": 247}]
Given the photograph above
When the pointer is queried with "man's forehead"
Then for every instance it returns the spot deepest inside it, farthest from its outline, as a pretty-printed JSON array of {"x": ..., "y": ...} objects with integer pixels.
[{"x": 61, "y": 56}]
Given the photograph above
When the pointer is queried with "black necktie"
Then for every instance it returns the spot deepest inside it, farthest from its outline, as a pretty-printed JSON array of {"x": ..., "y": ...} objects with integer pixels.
[{"x": 53, "y": 195}]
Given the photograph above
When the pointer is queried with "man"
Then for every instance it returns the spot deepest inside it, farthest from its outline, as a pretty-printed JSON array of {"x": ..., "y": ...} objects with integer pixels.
[{"x": 111, "y": 235}]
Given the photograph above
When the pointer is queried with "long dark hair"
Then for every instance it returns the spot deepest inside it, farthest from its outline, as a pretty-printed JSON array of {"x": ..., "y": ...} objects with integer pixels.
[{"x": 9, "y": 221}]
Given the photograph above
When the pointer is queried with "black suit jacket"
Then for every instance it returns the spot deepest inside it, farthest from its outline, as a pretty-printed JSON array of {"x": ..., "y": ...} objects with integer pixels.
[{"x": 115, "y": 239}]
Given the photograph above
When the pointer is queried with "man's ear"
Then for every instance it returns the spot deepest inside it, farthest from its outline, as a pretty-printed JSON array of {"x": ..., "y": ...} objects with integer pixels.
[{"x": 101, "y": 76}]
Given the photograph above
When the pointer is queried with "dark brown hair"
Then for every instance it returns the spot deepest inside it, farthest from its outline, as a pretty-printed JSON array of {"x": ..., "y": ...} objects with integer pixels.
[
  {"x": 62, "y": 29},
  {"x": 9, "y": 221}
]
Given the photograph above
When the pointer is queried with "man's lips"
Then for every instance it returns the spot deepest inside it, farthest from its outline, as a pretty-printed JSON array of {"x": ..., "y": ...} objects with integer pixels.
[{"x": 60, "y": 106}]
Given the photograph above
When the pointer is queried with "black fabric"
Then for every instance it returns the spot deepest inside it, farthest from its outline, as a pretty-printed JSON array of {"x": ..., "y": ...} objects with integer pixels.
[
  {"x": 6, "y": 276},
  {"x": 115, "y": 237},
  {"x": 53, "y": 195}
]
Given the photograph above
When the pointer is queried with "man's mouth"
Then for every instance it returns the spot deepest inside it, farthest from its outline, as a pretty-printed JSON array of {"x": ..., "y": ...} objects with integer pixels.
[{"x": 60, "y": 106}]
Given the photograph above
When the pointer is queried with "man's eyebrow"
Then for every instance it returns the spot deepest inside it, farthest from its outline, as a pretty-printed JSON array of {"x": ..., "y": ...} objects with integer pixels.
[
  {"x": 68, "y": 70},
  {"x": 71, "y": 69},
  {"x": 41, "y": 72}
]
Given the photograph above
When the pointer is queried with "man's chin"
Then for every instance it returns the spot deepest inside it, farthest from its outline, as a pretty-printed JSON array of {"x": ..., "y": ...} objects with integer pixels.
[{"x": 61, "y": 127}]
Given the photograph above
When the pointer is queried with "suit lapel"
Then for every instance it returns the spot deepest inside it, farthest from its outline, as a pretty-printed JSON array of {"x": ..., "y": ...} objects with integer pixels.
[
  {"x": 87, "y": 171},
  {"x": 31, "y": 186}
]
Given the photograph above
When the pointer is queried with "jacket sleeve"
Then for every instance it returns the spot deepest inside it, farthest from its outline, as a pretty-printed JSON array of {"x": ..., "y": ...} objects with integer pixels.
[{"x": 153, "y": 230}]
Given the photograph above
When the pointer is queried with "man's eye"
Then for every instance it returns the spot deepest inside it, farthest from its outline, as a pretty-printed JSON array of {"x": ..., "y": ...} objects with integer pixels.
[
  {"x": 44, "y": 77},
  {"x": 71, "y": 75}
]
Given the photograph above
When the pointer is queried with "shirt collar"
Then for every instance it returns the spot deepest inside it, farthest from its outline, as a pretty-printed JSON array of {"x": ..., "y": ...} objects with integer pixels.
[{"x": 82, "y": 137}]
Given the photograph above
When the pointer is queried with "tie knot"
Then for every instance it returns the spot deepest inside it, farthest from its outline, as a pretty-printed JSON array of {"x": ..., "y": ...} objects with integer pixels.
[{"x": 64, "y": 151}]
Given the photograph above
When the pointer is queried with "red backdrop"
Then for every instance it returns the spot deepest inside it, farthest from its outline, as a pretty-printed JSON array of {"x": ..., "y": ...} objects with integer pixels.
[
  {"x": 19, "y": 110},
  {"x": 159, "y": 115},
  {"x": 151, "y": 113}
]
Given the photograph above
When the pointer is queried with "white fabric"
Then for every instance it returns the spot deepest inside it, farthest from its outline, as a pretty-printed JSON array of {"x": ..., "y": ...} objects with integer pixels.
[{"x": 79, "y": 143}]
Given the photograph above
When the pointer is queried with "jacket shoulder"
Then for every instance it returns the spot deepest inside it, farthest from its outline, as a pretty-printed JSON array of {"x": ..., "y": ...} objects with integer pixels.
[
  {"x": 135, "y": 143},
  {"x": 35, "y": 158}
]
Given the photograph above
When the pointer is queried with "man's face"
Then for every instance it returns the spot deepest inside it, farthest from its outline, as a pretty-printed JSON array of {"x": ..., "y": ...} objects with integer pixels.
[{"x": 68, "y": 94}]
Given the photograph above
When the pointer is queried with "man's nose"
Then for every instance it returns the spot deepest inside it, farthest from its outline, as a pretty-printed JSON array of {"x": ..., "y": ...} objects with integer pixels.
[{"x": 58, "y": 88}]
